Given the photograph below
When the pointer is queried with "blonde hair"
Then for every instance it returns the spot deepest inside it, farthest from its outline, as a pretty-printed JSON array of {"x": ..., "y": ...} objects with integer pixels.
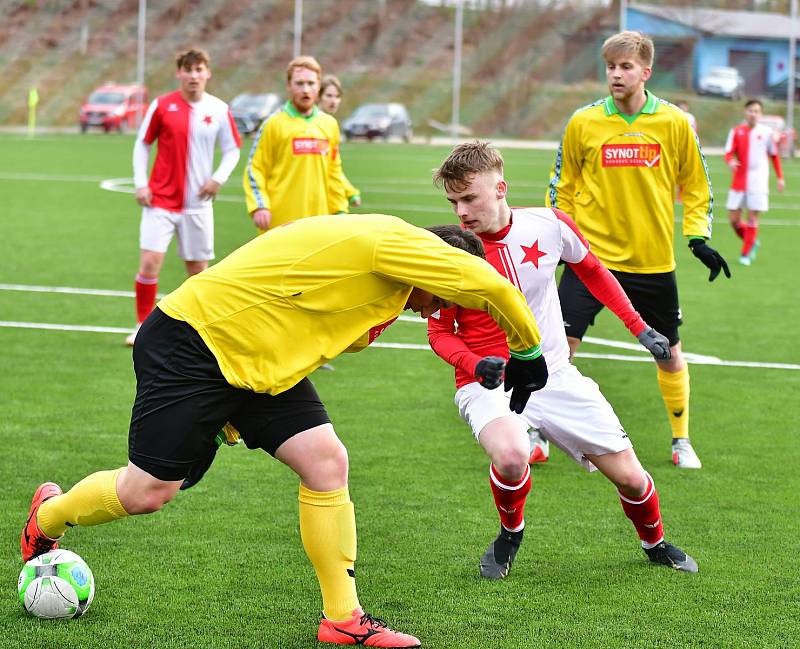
[
  {"x": 467, "y": 159},
  {"x": 193, "y": 56},
  {"x": 330, "y": 80},
  {"x": 630, "y": 43},
  {"x": 307, "y": 62}
]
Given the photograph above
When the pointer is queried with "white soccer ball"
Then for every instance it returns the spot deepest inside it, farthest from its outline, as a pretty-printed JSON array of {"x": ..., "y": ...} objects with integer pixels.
[{"x": 57, "y": 584}]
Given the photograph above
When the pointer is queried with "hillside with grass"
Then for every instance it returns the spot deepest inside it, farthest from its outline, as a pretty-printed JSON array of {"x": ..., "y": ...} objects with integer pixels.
[{"x": 525, "y": 69}]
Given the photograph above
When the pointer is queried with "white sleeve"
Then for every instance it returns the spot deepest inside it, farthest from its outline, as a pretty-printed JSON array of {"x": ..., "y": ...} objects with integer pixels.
[
  {"x": 574, "y": 246},
  {"x": 141, "y": 150},
  {"x": 229, "y": 144},
  {"x": 729, "y": 143}
]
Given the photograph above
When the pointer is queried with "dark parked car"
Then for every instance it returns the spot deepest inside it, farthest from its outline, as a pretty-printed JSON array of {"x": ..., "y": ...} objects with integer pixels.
[
  {"x": 778, "y": 90},
  {"x": 378, "y": 120},
  {"x": 250, "y": 110}
]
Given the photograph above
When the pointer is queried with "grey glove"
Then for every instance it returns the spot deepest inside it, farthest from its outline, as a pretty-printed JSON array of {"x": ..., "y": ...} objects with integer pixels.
[
  {"x": 489, "y": 371},
  {"x": 656, "y": 344}
]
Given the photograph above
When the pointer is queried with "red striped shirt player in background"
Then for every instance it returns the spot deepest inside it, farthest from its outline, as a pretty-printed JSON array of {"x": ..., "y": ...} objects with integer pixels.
[
  {"x": 525, "y": 245},
  {"x": 177, "y": 199},
  {"x": 749, "y": 148}
]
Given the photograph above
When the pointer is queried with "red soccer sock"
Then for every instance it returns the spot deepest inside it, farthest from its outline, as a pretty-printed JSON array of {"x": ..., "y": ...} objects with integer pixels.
[
  {"x": 509, "y": 498},
  {"x": 739, "y": 229},
  {"x": 146, "y": 289},
  {"x": 645, "y": 514},
  {"x": 750, "y": 236}
]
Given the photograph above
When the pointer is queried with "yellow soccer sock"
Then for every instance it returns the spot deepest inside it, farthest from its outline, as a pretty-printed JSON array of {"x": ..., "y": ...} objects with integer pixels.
[
  {"x": 674, "y": 388},
  {"x": 328, "y": 531},
  {"x": 92, "y": 501}
]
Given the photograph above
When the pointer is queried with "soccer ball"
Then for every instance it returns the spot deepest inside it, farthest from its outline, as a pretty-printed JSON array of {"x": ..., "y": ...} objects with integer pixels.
[{"x": 57, "y": 584}]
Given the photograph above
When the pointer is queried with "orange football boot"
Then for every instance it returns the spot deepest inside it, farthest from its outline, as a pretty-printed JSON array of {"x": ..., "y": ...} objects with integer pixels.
[
  {"x": 363, "y": 629},
  {"x": 33, "y": 541}
]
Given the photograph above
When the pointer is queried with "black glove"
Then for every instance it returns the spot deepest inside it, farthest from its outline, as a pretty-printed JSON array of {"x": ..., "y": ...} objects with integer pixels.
[
  {"x": 656, "y": 344},
  {"x": 710, "y": 257},
  {"x": 489, "y": 371},
  {"x": 525, "y": 374}
]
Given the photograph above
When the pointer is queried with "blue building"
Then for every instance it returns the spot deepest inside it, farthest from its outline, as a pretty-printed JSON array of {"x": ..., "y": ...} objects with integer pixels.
[{"x": 690, "y": 40}]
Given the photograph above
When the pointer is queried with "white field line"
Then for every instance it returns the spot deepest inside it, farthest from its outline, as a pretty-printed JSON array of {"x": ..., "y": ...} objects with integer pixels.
[
  {"x": 125, "y": 186},
  {"x": 695, "y": 359},
  {"x": 64, "y": 327}
]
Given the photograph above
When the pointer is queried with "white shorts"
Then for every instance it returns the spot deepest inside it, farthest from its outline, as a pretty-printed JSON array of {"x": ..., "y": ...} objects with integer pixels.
[
  {"x": 570, "y": 411},
  {"x": 194, "y": 230},
  {"x": 755, "y": 201}
]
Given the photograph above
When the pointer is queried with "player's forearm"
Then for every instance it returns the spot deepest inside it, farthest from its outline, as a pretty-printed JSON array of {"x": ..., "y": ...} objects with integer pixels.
[
  {"x": 451, "y": 349},
  {"x": 605, "y": 287},
  {"x": 141, "y": 160},
  {"x": 255, "y": 194},
  {"x": 776, "y": 164},
  {"x": 226, "y": 166}
]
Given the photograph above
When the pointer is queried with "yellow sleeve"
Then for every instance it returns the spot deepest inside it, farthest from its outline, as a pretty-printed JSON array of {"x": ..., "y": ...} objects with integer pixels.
[
  {"x": 419, "y": 258},
  {"x": 349, "y": 189},
  {"x": 566, "y": 170},
  {"x": 695, "y": 184},
  {"x": 337, "y": 193},
  {"x": 258, "y": 169}
]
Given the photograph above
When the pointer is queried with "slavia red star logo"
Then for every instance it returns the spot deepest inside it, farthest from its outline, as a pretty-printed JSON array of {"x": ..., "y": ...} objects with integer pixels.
[
  {"x": 532, "y": 254},
  {"x": 208, "y": 119}
]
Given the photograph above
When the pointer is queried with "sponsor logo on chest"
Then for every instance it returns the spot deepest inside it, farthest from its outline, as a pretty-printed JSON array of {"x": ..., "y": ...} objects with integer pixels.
[
  {"x": 631, "y": 155},
  {"x": 309, "y": 145}
]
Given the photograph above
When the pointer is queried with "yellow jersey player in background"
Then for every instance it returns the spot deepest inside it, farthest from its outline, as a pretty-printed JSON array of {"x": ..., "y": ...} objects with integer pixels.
[
  {"x": 615, "y": 173},
  {"x": 330, "y": 98},
  {"x": 294, "y": 169},
  {"x": 236, "y": 343}
]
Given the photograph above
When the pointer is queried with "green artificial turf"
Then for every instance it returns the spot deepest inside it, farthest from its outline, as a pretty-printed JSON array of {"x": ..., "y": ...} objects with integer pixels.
[{"x": 223, "y": 566}]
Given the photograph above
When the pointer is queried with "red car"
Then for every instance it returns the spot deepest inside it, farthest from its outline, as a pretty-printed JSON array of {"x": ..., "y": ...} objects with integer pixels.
[
  {"x": 114, "y": 107},
  {"x": 785, "y": 137}
]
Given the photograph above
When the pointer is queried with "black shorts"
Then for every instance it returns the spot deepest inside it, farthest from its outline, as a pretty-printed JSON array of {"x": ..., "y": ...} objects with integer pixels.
[
  {"x": 183, "y": 400},
  {"x": 654, "y": 296}
]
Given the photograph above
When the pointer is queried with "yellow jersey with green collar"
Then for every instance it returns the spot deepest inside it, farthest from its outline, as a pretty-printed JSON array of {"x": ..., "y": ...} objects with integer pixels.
[
  {"x": 294, "y": 168},
  {"x": 617, "y": 175},
  {"x": 298, "y": 296}
]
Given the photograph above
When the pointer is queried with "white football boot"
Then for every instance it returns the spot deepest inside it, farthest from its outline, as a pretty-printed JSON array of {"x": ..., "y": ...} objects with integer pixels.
[
  {"x": 540, "y": 447},
  {"x": 683, "y": 455}
]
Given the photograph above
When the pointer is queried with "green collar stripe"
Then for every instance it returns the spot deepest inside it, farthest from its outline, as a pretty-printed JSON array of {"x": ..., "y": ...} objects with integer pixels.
[
  {"x": 293, "y": 112},
  {"x": 650, "y": 107}
]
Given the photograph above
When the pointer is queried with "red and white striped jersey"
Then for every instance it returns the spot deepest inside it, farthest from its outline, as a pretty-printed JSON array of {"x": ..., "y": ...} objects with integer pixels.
[
  {"x": 187, "y": 133},
  {"x": 752, "y": 147},
  {"x": 527, "y": 252}
]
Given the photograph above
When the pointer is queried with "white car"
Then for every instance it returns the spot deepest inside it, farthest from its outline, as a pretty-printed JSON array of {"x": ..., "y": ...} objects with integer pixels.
[{"x": 723, "y": 82}]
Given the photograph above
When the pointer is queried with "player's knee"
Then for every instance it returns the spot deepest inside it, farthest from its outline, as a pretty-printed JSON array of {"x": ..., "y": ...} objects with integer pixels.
[
  {"x": 149, "y": 501},
  {"x": 632, "y": 483},
  {"x": 511, "y": 462},
  {"x": 331, "y": 461}
]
